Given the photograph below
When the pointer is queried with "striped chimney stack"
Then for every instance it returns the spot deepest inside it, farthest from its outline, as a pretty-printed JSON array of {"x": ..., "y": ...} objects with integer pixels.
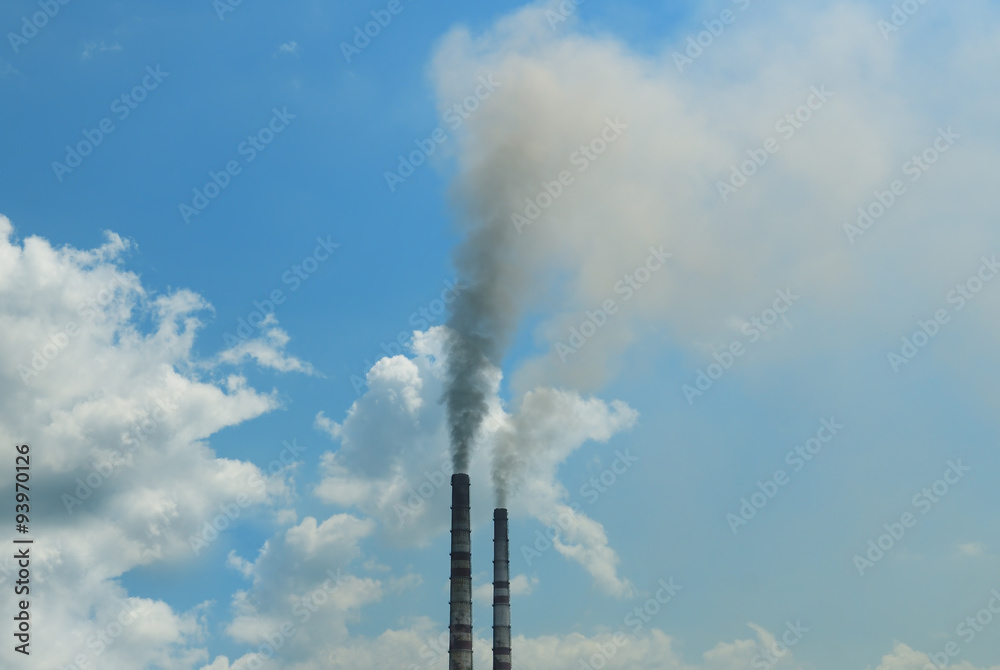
[
  {"x": 460, "y": 638},
  {"x": 501, "y": 591}
]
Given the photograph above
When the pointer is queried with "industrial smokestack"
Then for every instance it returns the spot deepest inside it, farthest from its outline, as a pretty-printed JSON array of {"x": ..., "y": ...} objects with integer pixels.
[
  {"x": 460, "y": 644},
  {"x": 501, "y": 591}
]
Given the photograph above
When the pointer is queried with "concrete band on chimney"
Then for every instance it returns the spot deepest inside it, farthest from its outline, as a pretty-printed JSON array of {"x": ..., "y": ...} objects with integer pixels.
[
  {"x": 460, "y": 626},
  {"x": 501, "y": 591}
]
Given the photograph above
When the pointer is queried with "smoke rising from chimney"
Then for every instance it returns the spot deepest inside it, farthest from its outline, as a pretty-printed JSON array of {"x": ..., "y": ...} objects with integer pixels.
[
  {"x": 483, "y": 317},
  {"x": 465, "y": 393},
  {"x": 509, "y": 458}
]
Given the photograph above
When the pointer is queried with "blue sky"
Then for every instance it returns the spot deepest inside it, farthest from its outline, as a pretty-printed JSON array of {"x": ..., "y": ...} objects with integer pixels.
[{"x": 308, "y": 218}]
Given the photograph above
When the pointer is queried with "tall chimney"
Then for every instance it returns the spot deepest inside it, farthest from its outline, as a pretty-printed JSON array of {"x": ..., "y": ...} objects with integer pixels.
[
  {"x": 460, "y": 644},
  {"x": 501, "y": 591}
]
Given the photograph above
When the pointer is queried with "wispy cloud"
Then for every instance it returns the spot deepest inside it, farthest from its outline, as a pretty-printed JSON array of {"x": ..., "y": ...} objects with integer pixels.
[
  {"x": 971, "y": 549},
  {"x": 268, "y": 351},
  {"x": 290, "y": 48},
  {"x": 91, "y": 48}
]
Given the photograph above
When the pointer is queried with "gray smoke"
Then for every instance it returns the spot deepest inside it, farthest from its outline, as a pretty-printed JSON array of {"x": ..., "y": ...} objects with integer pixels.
[
  {"x": 535, "y": 425},
  {"x": 485, "y": 314},
  {"x": 468, "y": 386},
  {"x": 508, "y": 462}
]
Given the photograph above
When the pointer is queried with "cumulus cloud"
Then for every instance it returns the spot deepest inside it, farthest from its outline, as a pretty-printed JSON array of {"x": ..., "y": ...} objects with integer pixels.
[
  {"x": 103, "y": 384},
  {"x": 903, "y": 657},
  {"x": 423, "y": 644},
  {"x": 394, "y": 465},
  {"x": 301, "y": 589},
  {"x": 652, "y": 649}
]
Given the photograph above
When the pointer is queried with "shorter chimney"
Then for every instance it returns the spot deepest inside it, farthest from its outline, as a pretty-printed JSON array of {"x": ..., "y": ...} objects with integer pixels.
[{"x": 501, "y": 591}]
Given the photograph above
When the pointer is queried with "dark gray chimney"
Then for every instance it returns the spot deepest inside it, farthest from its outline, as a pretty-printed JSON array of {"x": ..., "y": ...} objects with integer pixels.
[
  {"x": 460, "y": 644},
  {"x": 501, "y": 591}
]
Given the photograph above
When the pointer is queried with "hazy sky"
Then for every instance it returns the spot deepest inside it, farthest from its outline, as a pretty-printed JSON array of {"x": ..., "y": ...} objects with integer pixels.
[{"x": 743, "y": 254}]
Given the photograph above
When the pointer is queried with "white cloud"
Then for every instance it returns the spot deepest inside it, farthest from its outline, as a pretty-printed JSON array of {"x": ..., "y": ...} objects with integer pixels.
[
  {"x": 290, "y": 48},
  {"x": 103, "y": 386},
  {"x": 903, "y": 657},
  {"x": 522, "y": 585},
  {"x": 394, "y": 464},
  {"x": 90, "y": 48},
  {"x": 971, "y": 549},
  {"x": 310, "y": 538},
  {"x": 301, "y": 591},
  {"x": 267, "y": 350}
]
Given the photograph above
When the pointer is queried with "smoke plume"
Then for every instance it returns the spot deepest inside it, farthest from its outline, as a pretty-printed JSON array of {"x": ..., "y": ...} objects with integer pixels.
[
  {"x": 482, "y": 319},
  {"x": 508, "y": 462},
  {"x": 589, "y": 159}
]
